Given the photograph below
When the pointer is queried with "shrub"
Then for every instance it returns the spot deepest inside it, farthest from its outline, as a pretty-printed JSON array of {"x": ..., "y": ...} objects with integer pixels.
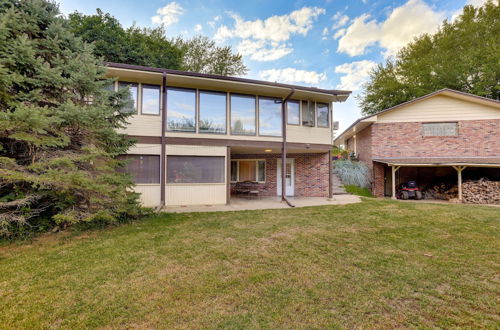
[{"x": 353, "y": 173}]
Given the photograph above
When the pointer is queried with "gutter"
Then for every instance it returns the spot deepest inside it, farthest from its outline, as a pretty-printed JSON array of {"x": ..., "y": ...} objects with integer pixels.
[
  {"x": 163, "y": 146},
  {"x": 283, "y": 148}
]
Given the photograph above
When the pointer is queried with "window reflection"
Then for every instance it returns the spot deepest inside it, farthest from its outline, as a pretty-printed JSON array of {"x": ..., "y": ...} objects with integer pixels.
[
  {"x": 150, "y": 99},
  {"x": 307, "y": 113},
  {"x": 212, "y": 112},
  {"x": 131, "y": 104},
  {"x": 242, "y": 115},
  {"x": 181, "y": 108},
  {"x": 323, "y": 114},
  {"x": 269, "y": 116},
  {"x": 293, "y": 108}
]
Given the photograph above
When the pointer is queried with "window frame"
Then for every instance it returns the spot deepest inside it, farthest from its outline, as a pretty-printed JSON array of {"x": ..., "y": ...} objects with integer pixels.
[
  {"x": 137, "y": 85},
  {"x": 258, "y": 116},
  {"x": 457, "y": 128},
  {"x": 256, "y": 160},
  {"x": 142, "y": 99},
  {"x": 198, "y": 112},
  {"x": 313, "y": 113},
  {"x": 256, "y": 112},
  {"x": 157, "y": 182},
  {"x": 287, "y": 114},
  {"x": 196, "y": 108},
  {"x": 317, "y": 115}
]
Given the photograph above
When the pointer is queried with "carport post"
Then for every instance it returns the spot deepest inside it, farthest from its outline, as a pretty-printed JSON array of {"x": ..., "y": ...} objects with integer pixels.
[
  {"x": 394, "y": 169},
  {"x": 459, "y": 170}
]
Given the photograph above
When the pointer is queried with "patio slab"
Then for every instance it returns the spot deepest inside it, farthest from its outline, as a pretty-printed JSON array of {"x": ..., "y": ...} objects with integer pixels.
[{"x": 239, "y": 204}]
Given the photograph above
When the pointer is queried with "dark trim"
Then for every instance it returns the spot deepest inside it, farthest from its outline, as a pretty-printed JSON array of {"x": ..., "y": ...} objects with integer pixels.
[
  {"x": 228, "y": 175},
  {"x": 163, "y": 141},
  {"x": 227, "y": 78},
  {"x": 330, "y": 177},
  {"x": 284, "y": 147},
  {"x": 228, "y": 142}
]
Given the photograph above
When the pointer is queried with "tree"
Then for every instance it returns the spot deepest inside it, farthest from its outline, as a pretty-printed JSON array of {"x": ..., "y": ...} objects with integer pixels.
[
  {"x": 58, "y": 137},
  {"x": 113, "y": 43},
  {"x": 200, "y": 54},
  {"x": 463, "y": 55}
]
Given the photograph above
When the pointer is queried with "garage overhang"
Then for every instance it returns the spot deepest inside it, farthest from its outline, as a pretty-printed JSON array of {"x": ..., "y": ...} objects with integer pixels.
[{"x": 441, "y": 161}]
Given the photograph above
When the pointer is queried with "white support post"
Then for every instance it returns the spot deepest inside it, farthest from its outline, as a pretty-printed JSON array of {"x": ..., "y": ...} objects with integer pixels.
[
  {"x": 394, "y": 169},
  {"x": 459, "y": 170}
]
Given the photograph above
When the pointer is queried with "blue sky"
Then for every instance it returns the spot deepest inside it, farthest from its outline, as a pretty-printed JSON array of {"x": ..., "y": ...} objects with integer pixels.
[{"x": 326, "y": 44}]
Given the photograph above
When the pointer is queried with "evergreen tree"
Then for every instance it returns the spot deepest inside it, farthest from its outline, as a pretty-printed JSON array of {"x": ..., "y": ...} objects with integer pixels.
[
  {"x": 58, "y": 137},
  {"x": 463, "y": 55}
]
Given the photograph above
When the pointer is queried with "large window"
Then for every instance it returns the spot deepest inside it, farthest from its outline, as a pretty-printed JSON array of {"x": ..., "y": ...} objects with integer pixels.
[
  {"x": 195, "y": 169},
  {"x": 143, "y": 168},
  {"x": 440, "y": 129},
  {"x": 307, "y": 113},
  {"x": 248, "y": 170},
  {"x": 150, "y": 100},
  {"x": 242, "y": 115},
  {"x": 181, "y": 109},
  {"x": 131, "y": 105},
  {"x": 212, "y": 112},
  {"x": 323, "y": 114},
  {"x": 293, "y": 115},
  {"x": 269, "y": 116}
]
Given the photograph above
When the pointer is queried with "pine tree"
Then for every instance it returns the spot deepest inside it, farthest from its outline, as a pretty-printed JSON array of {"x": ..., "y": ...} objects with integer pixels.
[{"x": 58, "y": 126}]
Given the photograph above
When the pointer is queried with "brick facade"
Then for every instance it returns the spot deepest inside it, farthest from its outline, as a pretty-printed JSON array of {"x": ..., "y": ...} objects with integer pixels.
[{"x": 311, "y": 173}]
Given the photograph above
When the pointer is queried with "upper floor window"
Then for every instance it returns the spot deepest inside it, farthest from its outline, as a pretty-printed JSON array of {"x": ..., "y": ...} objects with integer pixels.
[
  {"x": 323, "y": 114},
  {"x": 307, "y": 113},
  {"x": 131, "y": 105},
  {"x": 242, "y": 115},
  {"x": 143, "y": 168},
  {"x": 181, "y": 109},
  {"x": 150, "y": 100},
  {"x": 212, "y": 112},
  {"x": 269, "y": 116},
  {"x": 440, "y": 129},
  {"x": 293, "y": 115}
]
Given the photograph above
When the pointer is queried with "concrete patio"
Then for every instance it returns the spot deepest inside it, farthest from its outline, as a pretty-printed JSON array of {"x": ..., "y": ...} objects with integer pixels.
[{"x": 239, "y": 204}]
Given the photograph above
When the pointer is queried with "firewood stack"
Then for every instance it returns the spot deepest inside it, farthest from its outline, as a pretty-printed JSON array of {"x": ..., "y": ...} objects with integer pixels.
[
  {"x": 442, "y": 191},
  {"x": 482, "y": 191}
]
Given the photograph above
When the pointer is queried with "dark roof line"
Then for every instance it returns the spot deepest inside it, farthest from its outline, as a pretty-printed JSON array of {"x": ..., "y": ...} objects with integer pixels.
[
  {"x": 416, "y": 100},
  {"x": 228, "y": 78}
]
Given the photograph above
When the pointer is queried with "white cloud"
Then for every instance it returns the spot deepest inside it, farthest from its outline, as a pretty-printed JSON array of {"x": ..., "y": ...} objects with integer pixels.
[
  {"x": 354, "y": 74},
  {"x": 292, "y": 75},
  {"x": 475, "y": 3},
  {"x": 214, "y": 20},
  {"x": 339, "y": 33},
  {"x": 261, "y": 50},
  {"x": 324, "y": 34},
  {"x": 169, "y": 14},
  {"x": 403, "y": 24},
  {"x": 264, "y": 40},
  {"x": 198, "y": 28},
  {"x": 339, "y": 20}
]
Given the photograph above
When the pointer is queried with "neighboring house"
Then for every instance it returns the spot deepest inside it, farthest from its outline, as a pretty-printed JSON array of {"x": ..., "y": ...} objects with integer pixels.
[
  {"x": 435, "y": 138},
  {"x": 202, "y": 134}
]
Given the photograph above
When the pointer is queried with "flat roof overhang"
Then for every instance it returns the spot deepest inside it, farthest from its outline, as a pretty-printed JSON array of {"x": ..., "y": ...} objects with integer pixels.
[
  {"x": 442, "y": 162},
  {"x": 185, "y": 79}
]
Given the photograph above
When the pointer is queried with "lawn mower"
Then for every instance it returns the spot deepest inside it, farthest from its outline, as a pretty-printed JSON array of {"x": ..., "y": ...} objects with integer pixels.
[{"x": 409, "y": 190}]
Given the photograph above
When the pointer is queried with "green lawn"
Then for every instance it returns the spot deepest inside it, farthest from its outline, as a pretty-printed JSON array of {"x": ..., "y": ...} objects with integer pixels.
[{"x": 377, "y": 264}]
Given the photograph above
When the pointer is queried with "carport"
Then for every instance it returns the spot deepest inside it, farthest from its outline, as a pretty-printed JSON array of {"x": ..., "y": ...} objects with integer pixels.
[{"x": 458, "y": 164}]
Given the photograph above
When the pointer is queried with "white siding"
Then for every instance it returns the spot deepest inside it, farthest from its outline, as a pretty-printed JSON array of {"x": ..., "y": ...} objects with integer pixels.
[
  {"x": 196, "y": 194},
  {"x": 150, "y": 194},
  {"x": 303, "y": 134},
  {"x": 145, "y": 149},
  {"x": 440, "y": 108}
]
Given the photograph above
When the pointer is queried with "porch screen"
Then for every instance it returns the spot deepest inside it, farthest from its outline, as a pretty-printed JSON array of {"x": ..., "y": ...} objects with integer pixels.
[
  {"x": 195, "y": 169},
  {"x": 143, "y": 168}
]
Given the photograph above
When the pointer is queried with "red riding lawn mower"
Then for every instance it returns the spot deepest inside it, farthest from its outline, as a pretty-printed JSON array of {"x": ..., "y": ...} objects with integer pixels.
[{"x": 409, "y": 190}]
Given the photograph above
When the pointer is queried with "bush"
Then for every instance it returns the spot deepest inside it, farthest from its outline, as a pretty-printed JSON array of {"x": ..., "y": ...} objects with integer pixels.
[{"x": 353, "y": 173}]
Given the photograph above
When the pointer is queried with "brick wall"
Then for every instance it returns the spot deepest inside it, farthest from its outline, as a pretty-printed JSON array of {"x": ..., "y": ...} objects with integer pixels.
[
  {"x": 364, "y": 145},
  {"x": 311, "y": 173},
  {"x": 475, "y": 138},
  {"x": 378, "y": 183}
]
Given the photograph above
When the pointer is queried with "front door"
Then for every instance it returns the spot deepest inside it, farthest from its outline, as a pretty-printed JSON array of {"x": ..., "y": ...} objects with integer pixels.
[{"x": 290, "y": 176}]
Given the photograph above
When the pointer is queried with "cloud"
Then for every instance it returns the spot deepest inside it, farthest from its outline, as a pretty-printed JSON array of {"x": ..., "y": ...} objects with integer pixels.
[
  {"x": 355, "y": 74},
  {"x": 292, "y": 75},
  {"x": 198, "y": 28},
  {"x": 339, "y": 33},
  {"x": 261, "y": 51},
  {"x": 339, "y": 20},
  {"x": 324, "y": 34},
  {"x": 267, "y": 37},
  {"x": 214, "y": 20},
  {"x": 169, "y": 14},
  {"x": 403, "y": 24}
]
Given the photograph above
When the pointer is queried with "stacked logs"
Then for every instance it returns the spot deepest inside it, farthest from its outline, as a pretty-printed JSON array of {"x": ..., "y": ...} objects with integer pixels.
[
  {"x": 482, "y": 191},
  {"x": 441, "y": 191}
]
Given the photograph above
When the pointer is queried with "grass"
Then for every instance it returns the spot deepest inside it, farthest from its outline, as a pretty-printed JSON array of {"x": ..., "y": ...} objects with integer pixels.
[
  {"x": 378, "y": 263},
  {"x": 355, "y": 190}
]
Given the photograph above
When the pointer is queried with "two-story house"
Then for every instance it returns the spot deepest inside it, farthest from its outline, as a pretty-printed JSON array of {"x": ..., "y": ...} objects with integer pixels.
[
  {"x": 445, "y": 136},
  {"x": 199, "y": 136}
]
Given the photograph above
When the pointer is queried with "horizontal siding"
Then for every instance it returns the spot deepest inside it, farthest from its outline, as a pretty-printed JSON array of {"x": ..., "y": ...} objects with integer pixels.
[
  {"x": 301, "y": 134},
  {"x": 193, "y": 194},
  {"x": 439, "y": 108},
  {"x": 145, "y": 149},
  {"x": 182, "y": 150},
  {"x": 150, "y": 194},
  {"x": 143, "y": 125}
]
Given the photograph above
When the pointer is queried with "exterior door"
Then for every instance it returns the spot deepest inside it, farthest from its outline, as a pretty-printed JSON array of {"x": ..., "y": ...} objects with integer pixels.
[{"x": 290, "y": 176}]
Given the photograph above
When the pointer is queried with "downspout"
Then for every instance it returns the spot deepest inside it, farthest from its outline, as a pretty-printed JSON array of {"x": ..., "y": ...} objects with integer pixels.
[
  {"x": 163, "y": 146},
  {"x": 283, "y": 148}
]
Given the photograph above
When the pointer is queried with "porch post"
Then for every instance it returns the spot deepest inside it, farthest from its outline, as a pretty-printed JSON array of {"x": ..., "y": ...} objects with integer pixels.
[
  {"x": 394, "y": 168},
  {"x": 228, "y": 175},
  {"x": 459, "y": 170},
  {"x": 283, "y": 152},
  {"x": 162, "y": 150},
  {"x": 330, "y": 177}
]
